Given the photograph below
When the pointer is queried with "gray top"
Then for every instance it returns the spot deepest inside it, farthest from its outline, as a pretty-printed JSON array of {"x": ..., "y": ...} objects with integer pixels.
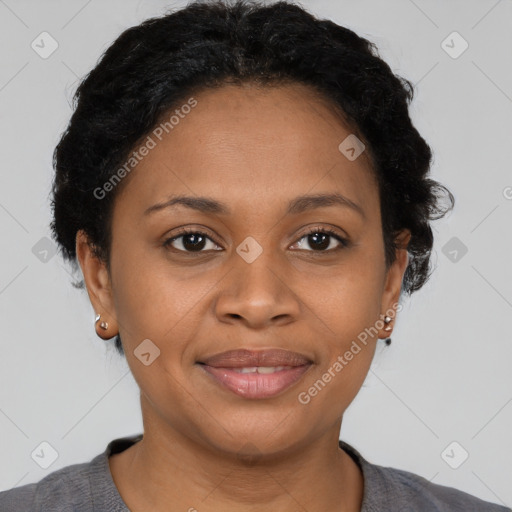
[{"x": 89, "y": 487}]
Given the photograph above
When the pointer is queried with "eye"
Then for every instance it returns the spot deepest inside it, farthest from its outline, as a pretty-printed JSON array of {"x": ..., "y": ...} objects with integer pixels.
[
  {"x": 190, "y": 240},
  {"x": 193, "y": 240},
  {"x": 320, "y": 239}
]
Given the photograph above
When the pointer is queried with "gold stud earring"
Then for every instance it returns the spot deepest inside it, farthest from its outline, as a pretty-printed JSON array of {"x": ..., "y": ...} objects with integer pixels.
[
  {"x": 387, "y": 319},
  {"x": 103, "y": 324}
]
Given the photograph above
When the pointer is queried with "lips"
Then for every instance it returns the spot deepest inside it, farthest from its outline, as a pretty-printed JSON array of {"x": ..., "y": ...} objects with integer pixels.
[
  {"x": 244, "y": 358},
  {"x": 256, "y": 374}
]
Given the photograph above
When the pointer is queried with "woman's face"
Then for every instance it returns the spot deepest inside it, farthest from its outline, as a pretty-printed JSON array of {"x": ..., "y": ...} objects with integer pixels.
[{"x": 257, "y": 278}]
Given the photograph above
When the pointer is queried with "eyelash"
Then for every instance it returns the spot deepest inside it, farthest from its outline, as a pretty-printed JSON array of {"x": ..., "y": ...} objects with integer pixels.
[{"x": 344, "y": 243}]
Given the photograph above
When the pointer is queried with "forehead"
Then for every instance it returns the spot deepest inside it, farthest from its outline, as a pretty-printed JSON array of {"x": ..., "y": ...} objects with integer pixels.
[{"x": 247, "y": 144}]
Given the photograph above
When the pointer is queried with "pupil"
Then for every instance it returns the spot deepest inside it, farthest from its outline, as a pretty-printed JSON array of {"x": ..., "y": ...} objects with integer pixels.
[
  {"x": 196, "y": 245},
  {"x": 324, "y": 240}
]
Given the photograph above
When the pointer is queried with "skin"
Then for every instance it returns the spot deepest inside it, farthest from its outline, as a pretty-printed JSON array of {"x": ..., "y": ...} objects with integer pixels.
[{"x": 204, "y": 447}]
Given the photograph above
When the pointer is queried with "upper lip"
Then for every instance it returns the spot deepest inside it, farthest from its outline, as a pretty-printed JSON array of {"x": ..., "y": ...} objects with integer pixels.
[{"x": 242, "y": 358}]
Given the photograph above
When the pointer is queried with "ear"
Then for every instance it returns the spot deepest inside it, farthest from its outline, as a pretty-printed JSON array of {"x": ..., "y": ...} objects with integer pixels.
[
  {"x": 394, "y": 277},
  {"x": 98, "y": 284}
]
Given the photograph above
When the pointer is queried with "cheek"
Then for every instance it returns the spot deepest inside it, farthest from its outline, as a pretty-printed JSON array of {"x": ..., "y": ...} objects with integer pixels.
[
  {"x": 331, "y": 391},
  {"x": 346, "y": 307},
  {"x": 158, "y": 301},
  {"x": 345, "y": 297}
]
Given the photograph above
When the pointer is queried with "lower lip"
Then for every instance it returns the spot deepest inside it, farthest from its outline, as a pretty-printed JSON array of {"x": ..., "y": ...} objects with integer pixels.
[{"x": 256, "y": 385}]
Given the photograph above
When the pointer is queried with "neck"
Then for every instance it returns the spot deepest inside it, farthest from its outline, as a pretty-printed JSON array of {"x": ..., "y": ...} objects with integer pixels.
[{"x": 167, "y": 469}]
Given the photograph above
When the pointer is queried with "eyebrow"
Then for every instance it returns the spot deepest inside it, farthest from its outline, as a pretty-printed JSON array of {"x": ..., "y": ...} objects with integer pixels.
[{"x": 295, "y": 206}]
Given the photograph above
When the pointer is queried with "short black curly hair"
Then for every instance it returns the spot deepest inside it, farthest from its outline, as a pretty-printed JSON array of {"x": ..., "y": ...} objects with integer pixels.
[{"x": 152, "y": 67}]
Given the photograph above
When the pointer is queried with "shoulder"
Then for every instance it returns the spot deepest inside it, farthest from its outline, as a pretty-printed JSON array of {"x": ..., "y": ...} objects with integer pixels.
[
  {"x": 411, "y": 489},
  {"x": 387, "y": 488},
  {"x": 60, "y": 491}
]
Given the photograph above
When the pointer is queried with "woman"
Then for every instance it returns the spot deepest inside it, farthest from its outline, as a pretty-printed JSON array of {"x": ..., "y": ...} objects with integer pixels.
[{"x": 247, "y": 199}]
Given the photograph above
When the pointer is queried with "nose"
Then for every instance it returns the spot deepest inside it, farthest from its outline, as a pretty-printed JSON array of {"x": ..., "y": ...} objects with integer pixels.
[{"x": 259, "y": 294}]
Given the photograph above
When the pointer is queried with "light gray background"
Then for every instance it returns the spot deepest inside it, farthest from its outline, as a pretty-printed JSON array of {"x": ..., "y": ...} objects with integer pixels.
[{"x": 446, "y": 377}]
